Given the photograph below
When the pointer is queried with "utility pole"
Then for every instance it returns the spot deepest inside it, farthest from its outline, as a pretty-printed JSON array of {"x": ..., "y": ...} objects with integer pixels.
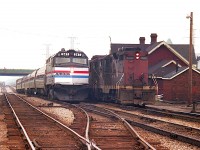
[
  {"x": 72, "y": 39},
  {"x": 47, "y": 50},
  {"x": 110, "y": 43},
  {"x": 190, "y": 101}
]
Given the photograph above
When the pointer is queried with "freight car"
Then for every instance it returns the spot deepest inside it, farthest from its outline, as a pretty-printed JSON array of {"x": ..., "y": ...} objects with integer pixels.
[
  {"x": 122, "y": 77},
  {"x": 65, "y": 76}
]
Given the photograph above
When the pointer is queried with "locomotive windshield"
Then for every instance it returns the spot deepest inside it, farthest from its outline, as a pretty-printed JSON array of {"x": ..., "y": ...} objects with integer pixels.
[
  {"x": 70, "y": 57},
  {"x": 59, "y": 61},
  {"x": 79, "y": 60}
]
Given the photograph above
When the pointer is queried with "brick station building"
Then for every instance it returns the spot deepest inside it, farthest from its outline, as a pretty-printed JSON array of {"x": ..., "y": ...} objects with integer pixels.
[{"x": 169, "y": 64}]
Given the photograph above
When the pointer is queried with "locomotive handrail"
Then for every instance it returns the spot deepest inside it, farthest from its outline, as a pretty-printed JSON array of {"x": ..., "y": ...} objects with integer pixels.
[
  {"x": 96, "y": 73},
  {"x": 118, "y": 82},
  {"x": 120, "y": 78}
]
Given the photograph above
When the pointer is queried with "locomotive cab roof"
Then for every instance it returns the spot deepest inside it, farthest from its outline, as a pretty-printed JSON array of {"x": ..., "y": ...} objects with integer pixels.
[
  {"x": 97, "y": 57},
  {"x": 129, "y": 49}
]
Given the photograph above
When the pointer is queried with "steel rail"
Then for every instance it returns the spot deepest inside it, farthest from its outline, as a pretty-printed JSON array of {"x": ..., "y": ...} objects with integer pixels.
[
  {"x": 82, "y": 139},
  {"x": 176, "y": 136},
  {"x": 127, "y": 125},
  {"x": 20, "y": 124},
  {"x": 157, "y": 120},
  {"x": 167, "y": 133},
  {"x": 92, "y": 145},
  {"x": 193, "y": 116},
  {"x": 133, "y": 131}
]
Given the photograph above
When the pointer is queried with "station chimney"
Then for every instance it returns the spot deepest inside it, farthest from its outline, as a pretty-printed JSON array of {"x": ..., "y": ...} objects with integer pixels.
[
  {"x": 142, "y": 40},
  {"x": 153, "y": 38}
]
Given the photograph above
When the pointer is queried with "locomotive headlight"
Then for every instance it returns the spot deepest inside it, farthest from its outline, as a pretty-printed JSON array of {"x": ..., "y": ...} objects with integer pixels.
[
  {"x": 71, "y": 70},
  {"x": 137, "y": 55}
]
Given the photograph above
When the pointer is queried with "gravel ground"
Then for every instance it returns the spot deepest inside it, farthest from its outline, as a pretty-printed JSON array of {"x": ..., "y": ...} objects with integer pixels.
[
  {"x": 3, "y": 129},
  {"x": 3, "y": 134},
  {"x": 175, "y": 107},
  {"x": 66, "y": 116},
  {"x": 166, "y": 142}
]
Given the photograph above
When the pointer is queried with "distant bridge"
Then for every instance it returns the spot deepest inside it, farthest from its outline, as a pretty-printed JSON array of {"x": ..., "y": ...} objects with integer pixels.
[{"x": 15, "y": 72}]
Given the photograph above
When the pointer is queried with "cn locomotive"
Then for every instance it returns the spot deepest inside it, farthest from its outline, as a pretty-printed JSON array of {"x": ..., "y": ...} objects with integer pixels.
[
  {"x": 122, "y": 77},
  {"x": 65, "y": 76}
]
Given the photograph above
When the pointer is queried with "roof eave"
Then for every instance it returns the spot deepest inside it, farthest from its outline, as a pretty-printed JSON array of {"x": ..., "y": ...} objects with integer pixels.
[
  {"x": 181, "y": 73},
  {"x": 171, "y": 49}
]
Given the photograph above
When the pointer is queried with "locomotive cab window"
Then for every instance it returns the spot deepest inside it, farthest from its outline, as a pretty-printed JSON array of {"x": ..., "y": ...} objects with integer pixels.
[
  {"x": 80, "y": 61},
  {"x": 143, "y": 58},
  {"x": 129, "y": 57},
  {"x": 63, "y": 61},
  {"x": 59, "y": 61}
]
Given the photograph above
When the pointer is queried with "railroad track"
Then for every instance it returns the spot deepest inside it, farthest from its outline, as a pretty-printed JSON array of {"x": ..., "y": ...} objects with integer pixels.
[
  {"x": 81, "y": 119},
  {"x": 110, "y": 131},
  {"x": 180, "y": 115},
  {"x": 184, "y": 133},
  {"x": 2, "y": 89},
  {"x": 194, "y": 117},
  {"x": 96, "y": 130},
  {"x": 42, "y": 131},
  {"x": 104, "y": 131},
  {"x": 14, "y": 138}
]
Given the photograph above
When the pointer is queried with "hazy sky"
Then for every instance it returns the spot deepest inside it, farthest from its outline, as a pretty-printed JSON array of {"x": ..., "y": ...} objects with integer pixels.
[{"x": 26, "y": 26}]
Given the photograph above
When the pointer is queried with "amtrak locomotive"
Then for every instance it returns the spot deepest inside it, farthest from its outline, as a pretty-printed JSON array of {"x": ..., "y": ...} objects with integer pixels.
[{"x": 65, "y": 76}]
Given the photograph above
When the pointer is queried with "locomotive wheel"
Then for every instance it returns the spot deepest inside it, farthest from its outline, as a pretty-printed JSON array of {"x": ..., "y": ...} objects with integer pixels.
[{"x": 51, "y": 94}]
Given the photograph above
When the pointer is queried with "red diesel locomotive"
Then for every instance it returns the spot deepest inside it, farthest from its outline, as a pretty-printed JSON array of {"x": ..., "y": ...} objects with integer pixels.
[{"x": 122, "y": 77}]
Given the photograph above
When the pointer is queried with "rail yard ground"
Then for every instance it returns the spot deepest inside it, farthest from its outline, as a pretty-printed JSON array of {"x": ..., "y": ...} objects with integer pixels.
[
  {"x": 68, "y": 117},
  {"x": 175, "y": 107}
]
